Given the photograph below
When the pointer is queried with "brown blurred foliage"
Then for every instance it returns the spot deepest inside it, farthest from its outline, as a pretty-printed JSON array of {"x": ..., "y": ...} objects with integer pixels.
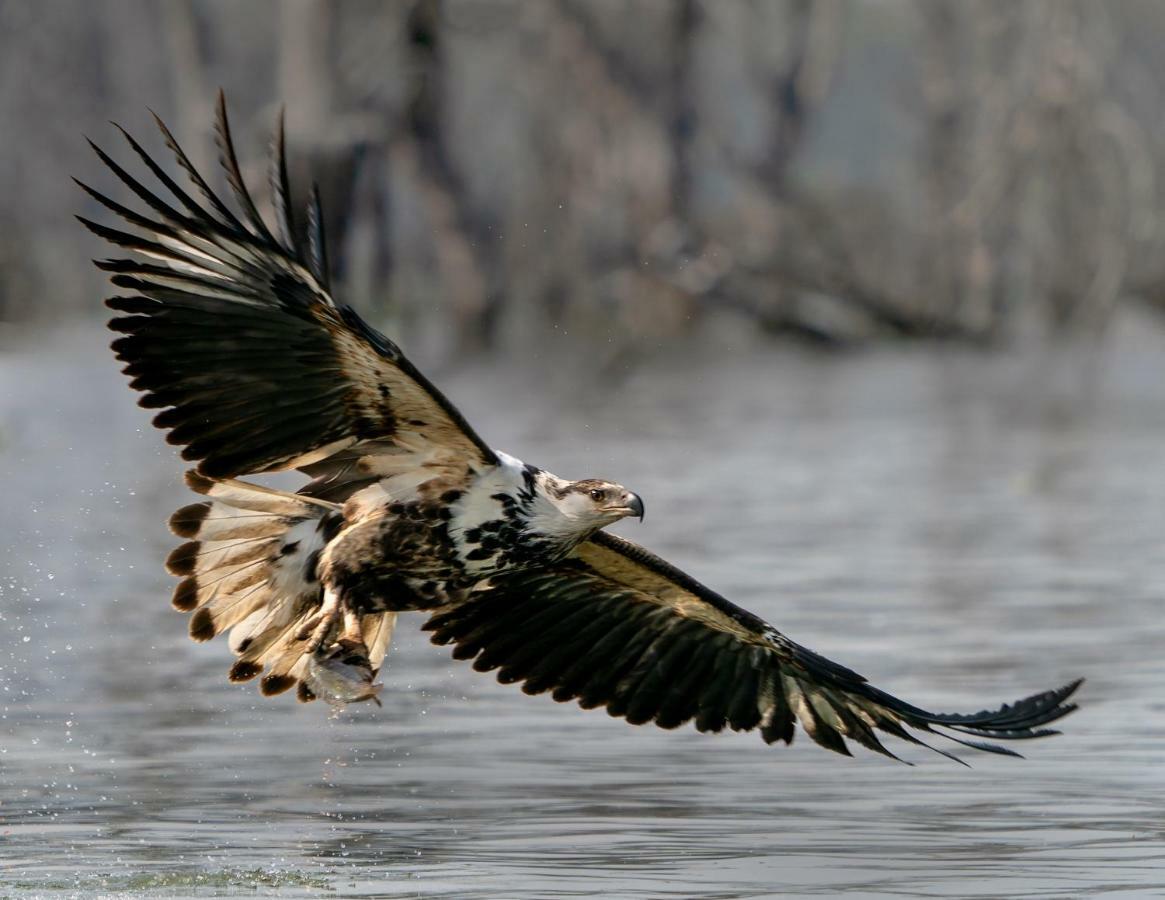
[{"x": 494, "y": 170}]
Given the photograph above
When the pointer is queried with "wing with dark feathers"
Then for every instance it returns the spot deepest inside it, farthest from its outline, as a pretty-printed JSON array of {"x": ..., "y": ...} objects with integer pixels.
[
  {"x": 230, "y": 330},
  {"x": 616, "y": 626}
]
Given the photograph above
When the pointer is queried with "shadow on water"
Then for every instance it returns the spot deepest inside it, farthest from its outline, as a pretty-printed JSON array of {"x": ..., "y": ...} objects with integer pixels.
[{"x": 920, "y": 517}]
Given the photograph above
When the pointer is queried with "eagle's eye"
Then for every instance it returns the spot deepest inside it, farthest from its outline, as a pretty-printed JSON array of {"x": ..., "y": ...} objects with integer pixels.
[{"x": 598, "y": 495}]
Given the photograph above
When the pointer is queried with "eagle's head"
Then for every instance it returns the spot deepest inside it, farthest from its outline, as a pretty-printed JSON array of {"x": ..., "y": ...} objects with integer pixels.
[
  {"x": 574, "y": 510},
  {"x": 594, "y": 500}
]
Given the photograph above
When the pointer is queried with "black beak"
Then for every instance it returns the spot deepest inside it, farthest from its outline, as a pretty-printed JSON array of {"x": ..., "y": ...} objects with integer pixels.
[{"x": 635, "y": 504}]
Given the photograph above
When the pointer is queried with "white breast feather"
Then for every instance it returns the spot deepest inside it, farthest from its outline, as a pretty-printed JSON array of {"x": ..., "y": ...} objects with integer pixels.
[{"x": 477, "y": 505}]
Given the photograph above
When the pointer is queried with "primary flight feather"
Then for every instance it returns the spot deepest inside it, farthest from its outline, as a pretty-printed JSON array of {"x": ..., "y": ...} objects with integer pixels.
[{"x": 230, "y": 329}]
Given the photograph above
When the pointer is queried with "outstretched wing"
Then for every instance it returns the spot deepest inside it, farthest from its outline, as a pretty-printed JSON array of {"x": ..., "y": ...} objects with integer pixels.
[
  {"x": 231, "y": 328},
  {"x": 616, "y": 626}
]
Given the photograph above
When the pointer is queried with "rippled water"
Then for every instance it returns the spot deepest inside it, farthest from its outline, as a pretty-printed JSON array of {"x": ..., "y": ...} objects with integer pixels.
[{"x": 960, "y": 529}]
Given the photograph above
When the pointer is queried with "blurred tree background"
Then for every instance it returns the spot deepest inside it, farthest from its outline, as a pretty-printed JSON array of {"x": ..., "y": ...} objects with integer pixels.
[{"x": 842, "y": 171}]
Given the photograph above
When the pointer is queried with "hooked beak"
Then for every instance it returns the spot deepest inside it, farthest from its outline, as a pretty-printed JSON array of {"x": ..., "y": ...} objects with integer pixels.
[{"x": 630, "y": 505}]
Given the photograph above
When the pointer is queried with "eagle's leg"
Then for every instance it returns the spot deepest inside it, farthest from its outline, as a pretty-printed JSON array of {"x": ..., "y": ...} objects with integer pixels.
[
  {"x": 353, "y": 632},
  {"x": 315, "y": 632}
]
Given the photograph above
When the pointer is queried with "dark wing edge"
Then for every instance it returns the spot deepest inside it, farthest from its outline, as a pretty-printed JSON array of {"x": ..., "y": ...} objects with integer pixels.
[
  {"x": 232, "y": 332},
  {"x": 617, "y": 627}
]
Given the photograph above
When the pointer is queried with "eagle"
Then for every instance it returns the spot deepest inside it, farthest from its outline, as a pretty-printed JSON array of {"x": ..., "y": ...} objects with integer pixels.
[{"x": 229, "y": 327}]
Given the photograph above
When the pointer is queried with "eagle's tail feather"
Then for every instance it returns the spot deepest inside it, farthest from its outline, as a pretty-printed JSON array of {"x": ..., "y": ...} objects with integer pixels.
[{"x": 249, "y": 567}]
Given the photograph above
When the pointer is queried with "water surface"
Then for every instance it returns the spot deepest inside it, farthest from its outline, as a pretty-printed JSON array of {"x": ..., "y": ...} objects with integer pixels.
[{"x": 961, "y": 529}]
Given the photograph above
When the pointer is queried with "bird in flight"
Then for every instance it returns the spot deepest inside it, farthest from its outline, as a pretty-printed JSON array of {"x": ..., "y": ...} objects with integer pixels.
[{"x": 229, "y": 327}]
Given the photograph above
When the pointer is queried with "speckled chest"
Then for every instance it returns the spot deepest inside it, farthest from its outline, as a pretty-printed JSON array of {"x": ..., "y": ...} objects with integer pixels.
[
  {"x": 425, "y": 550},
  {"x": 499, "y": 540}
]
